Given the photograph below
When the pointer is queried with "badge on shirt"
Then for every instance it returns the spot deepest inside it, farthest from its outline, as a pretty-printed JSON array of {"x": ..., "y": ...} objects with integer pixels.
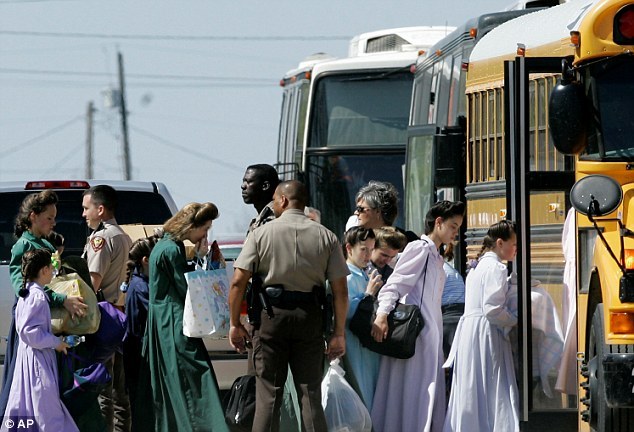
[{"x": 97, "y": 243}]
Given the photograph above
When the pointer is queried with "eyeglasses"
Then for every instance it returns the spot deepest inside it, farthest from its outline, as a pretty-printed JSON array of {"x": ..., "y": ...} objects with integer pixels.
[{"x": 360, "y": 209}]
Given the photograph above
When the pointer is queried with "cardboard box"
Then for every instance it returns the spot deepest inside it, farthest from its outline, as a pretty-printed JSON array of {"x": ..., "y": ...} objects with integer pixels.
[{"x": 137, "y": 231}]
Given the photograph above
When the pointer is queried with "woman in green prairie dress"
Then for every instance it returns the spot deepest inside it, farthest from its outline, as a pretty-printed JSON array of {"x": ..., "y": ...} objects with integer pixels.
[{"x": 184, "y": 386}]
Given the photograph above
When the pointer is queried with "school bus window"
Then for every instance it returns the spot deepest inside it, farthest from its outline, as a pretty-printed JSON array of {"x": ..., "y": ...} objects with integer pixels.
[
  {"x": 483, "y": 137},
  {"x": 480, "y": 170},
  {"x": 499, "y": 132},
  {"x": 491, "y": 134}
]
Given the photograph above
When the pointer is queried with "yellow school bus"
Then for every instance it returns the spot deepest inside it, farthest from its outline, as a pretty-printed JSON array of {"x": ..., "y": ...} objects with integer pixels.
[{"x": 550, "y": 126}]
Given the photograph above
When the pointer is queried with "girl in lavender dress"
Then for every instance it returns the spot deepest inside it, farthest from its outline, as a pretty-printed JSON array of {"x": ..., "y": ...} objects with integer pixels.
[{"x": 34, "y": 392}]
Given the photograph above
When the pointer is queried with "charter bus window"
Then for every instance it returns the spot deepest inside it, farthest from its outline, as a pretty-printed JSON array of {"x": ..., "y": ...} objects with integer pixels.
[{"x": 362, "y": 109}]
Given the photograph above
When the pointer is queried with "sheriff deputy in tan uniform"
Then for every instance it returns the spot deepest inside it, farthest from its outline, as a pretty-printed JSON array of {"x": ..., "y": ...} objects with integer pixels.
[
  {"x": 107, "y": 253},
  {"x": 293, "y": 255}
]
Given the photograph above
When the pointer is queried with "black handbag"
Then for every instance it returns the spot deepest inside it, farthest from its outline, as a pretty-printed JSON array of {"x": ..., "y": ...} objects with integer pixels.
[
  {"x": 240, "y": 406},
  {"x": 405, "y": 323}
]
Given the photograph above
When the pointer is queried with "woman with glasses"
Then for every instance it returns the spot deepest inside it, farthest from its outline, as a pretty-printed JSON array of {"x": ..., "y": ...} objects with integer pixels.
[{"x": 377, "y": 206}]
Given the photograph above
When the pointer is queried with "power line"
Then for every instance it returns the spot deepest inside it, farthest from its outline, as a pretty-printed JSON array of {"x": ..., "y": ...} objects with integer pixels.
[
  {"x": 42, "y": 136},
  {"x": 132, "y": 84},
  {"x": 294, "y": 38},
  {"x": 136, "y": 75},
  {"x": 63, "y": 160},
  {"x": 187, "y": 150}
]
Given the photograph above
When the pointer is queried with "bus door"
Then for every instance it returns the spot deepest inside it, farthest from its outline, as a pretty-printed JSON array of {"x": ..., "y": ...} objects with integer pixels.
[
  {"x": 434, "y": 171},
  {"x": 538, "y": 182}
]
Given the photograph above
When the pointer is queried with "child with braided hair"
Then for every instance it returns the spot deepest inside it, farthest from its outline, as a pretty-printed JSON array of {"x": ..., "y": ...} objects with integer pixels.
[
  {"x": 137, "y": 291},
  {"x": 484, "y": 394},
  {"x": 34, "y": 391}
]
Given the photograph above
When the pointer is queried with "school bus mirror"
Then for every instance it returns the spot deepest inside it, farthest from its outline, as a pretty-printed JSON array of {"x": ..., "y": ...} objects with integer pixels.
[
  {"x": 596, "y": 195},
  {"x": 568, "y": 117}
]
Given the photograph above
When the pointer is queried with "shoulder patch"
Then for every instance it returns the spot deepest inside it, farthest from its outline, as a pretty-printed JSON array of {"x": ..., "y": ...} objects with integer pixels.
[{"x": 97, "y": 243}]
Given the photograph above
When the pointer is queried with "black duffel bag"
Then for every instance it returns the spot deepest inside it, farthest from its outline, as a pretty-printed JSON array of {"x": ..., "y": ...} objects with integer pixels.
[
  {"x": 405, "y": 324},
  {"x": 240, "y": 407}
]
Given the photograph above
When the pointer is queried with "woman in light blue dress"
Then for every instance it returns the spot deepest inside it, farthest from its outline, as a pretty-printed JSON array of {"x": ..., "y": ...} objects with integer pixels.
[{"x": 364, "y": 364}]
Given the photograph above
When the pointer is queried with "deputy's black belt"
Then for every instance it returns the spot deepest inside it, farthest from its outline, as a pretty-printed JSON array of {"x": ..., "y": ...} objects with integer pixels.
[{"x": 282, "y": 298}]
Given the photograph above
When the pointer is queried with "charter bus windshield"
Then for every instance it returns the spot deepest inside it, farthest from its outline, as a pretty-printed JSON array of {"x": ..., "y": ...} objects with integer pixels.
[
  {"x": 549, "y": 127},
  {"x": 344, "y": 121}
]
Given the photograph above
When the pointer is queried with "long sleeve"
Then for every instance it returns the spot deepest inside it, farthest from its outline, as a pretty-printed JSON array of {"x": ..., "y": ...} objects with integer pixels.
[
  {"x": 494, "y": 299},
  {"x": 407, "y": 273},
  {"x": 357, "y": 285},
  {"x": 22, "y": 246},
  {"x": 15, "y": 265},
  {"x": 33, "y": 321}
]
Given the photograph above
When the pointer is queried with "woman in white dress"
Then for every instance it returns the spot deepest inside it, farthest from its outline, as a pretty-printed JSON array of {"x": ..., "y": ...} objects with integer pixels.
[
  {"x": 410, "y": 394},
  {"x": 484, "y": 395}
]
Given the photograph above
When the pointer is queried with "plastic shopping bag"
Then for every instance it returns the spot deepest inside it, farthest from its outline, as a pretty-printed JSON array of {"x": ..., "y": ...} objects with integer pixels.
[
  {"x": 206, "y": 312},
  {"x": 344, "y": 409}
]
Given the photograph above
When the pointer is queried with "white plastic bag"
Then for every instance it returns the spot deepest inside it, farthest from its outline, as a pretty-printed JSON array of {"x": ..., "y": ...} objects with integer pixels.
[{"x": 344, "y": 409}]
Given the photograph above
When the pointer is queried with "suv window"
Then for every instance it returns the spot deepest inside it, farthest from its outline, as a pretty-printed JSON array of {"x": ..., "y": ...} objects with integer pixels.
[{"x": 134, "y": 207}]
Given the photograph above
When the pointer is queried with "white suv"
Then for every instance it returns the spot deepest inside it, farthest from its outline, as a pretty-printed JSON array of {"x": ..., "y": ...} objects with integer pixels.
[{"x": 138, "y": 202}]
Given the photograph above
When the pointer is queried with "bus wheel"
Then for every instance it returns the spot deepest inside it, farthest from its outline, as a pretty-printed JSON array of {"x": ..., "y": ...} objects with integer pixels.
[{"x": 602, "y": 417}]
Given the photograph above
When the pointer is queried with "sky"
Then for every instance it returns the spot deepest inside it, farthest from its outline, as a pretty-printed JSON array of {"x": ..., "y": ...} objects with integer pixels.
[{"x": 201, "y": 84}]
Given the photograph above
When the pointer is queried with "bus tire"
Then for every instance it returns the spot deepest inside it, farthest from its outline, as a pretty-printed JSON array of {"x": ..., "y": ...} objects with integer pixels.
[{"x": 602, "y": 417}]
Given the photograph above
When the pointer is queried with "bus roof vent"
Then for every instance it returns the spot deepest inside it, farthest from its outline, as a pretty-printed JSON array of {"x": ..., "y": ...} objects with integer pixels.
[{"x": 389, "y": 42}]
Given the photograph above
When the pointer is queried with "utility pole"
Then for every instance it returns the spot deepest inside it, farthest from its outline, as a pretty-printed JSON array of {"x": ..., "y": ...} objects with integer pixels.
[
  {"x": 124, "y": 120},
  {"x": 89, "y": 137}
]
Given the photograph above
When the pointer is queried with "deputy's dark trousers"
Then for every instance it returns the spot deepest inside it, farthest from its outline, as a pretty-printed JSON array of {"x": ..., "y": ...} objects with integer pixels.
[
  {"x": 292, "y": 338},
  {"x": 114, "y": 401}
]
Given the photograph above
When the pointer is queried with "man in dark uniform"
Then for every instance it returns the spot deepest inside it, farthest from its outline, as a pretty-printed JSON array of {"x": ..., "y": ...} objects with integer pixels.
[
  {"x": 294, "y": 256},
  {"x": 107, "y": 253},
  {"x": 258, "y": 185}
]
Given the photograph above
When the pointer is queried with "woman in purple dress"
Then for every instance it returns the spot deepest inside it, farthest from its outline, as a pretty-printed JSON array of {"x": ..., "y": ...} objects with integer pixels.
[{"x": 34, "y": 394}]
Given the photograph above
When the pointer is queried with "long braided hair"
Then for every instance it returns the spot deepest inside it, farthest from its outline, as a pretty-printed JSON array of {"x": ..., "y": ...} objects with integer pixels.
[
  {"x": 140, "y": 248},
  {"x": 32, "y": 262}
]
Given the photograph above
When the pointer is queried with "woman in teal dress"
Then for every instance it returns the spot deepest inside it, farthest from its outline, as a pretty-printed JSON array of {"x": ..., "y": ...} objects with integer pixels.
[
  {"x": 35, "y": 221},
  {"x": 362, "y": 363},
  {"x": 184, "y": 386}
]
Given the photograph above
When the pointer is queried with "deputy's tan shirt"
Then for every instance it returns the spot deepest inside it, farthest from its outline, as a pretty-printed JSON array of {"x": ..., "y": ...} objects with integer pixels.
[
  {"x": 293, "y": 251},
  {"x": 107, "y": 252}
]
